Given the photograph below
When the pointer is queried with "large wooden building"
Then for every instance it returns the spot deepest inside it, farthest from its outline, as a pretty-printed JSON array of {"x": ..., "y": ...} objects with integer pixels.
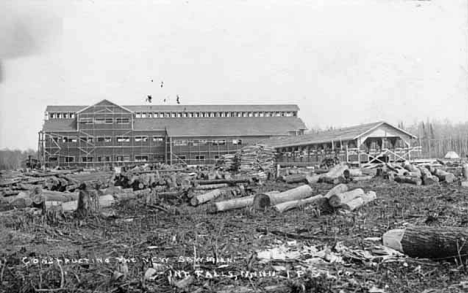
[
  {"x": 109, "y": 134},
  {"x": 372, "y": 142}
]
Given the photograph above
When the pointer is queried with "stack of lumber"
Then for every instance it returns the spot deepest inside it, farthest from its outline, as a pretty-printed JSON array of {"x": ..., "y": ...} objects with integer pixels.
[
  {"x": 255, "y": 158},
  {"x": 227, "y": 162}
]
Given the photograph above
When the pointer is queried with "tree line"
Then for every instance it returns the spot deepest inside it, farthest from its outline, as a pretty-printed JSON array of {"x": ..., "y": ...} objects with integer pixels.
[{"x": 15, "y": 159}]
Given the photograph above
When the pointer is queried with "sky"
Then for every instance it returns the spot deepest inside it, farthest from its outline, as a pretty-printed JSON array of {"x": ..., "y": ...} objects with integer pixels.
[{"x": 343, "y": 62}]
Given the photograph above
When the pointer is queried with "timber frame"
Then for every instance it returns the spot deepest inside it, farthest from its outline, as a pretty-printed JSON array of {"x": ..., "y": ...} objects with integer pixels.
[
  {"x": 106, "y": 134},
  {"x": 377, "y": 142}
]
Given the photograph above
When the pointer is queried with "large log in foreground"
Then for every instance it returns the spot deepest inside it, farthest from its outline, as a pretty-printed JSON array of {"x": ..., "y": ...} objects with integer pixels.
[
  {"x": 429, "y": 242},
  {"x": 264, "y": 200},
  {"x": 285, "y": 206}
]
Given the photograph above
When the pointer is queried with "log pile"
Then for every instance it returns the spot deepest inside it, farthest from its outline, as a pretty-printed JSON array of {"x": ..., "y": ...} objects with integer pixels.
[
  {"x": 256, "y": 158},
  {"x": 227, "y": 162},
  {"x": 415, "y": 174}
]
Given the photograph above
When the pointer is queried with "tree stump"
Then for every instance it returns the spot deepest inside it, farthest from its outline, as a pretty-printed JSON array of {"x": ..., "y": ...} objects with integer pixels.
[{"x": 84, "y": 201}]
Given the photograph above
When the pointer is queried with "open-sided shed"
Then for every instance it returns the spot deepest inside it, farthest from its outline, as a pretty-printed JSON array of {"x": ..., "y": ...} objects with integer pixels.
[{"x": 373, "y": 142}]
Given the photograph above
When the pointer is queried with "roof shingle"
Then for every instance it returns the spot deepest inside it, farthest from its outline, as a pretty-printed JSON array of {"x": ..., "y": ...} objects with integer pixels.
[
  {"x": 187, "y": 108},
  {"x": 185, "y": 127}
]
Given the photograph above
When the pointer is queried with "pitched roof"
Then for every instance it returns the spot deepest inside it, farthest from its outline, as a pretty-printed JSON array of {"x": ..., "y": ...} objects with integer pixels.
[
  {"x": 343, "y": 134},
  {"x": 105, "y": 103},
  {"x": 55, "y": 108},
  {"x": 211, "y": 108},
  {"x": 59, "y": 125},
  {"x": 185, "y": 127},
  {"x": 185, "y": 108}
]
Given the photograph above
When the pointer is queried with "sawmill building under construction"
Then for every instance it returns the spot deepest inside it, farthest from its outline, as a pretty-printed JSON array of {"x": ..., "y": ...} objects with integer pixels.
[{"x": 109, "y": 134}]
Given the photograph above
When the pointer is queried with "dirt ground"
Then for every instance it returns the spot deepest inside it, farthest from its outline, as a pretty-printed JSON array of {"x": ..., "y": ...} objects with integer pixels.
[{"x": 190, "y": 250}]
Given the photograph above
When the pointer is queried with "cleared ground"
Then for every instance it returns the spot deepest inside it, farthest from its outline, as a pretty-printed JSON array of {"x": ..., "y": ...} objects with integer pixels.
[{"x": 167, "y": 241}]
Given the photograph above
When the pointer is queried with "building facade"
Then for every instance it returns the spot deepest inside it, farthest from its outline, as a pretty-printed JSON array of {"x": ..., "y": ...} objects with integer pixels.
[
  {"x": 366, "y": 143},
  {"x": 109, "y": 134}
]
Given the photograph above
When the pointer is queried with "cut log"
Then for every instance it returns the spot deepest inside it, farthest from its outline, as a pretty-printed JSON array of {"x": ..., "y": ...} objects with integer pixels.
[
  {"x": 60, "y": 196},
  {"x": 429, "y": 242},
  {"x": 444, "y": 176},
  {"x": 369, "y": 171},
  {"x": 332, "y": 180},
  {"x": 408, "y": 179},
  {"x": 465, "y": 172},
  {"x": 104, "y": 201},
  {"x": 412, "y": 170},
  {"x": 211, "y": 186},
  {"x": 232, "y": 204},
  {"x": 348, "y": 173},
  {"x": 264, "y": 200},
  {"x": 219, "y": 181},
  {"x": 337, "y": 200},
  {"x": 362, "y": 178},
  {"x": 313, "y": 179},
  {"x": 359, "y": 201},
  {"x": 285, "y": 206},
  {"x": 340, "y": 188},
  {"x": 427, "y": 177},
  {"x": 297, "y": 178},
  {"x": 202, "y": 198},
  {"x": 336, "y": 171}
]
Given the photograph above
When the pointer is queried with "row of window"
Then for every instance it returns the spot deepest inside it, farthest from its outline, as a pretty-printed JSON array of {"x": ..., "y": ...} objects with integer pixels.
[
  {"x": 61, "y": 115},
  {"x": 197, "y": 142},
  {"x": 213, "y": 114},
  {"x": 144, "y": 138},
  {"x": 72, "y": 159},
  {"x": 103, "y": 159},
  {"x": 86, "y": 120},
  {"x": 171, "y": 115},
  {"x": 91, "y": 139}
]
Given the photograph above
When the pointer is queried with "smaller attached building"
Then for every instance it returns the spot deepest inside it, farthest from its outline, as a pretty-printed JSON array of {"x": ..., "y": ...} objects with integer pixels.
[{"x": 363, "y": 143}]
